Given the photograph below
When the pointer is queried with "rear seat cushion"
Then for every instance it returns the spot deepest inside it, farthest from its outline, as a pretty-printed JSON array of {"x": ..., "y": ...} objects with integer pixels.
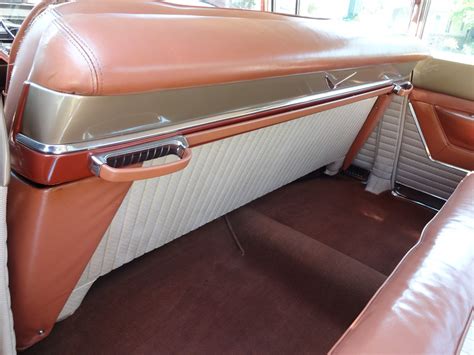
[{"x": 424, "y": 307}]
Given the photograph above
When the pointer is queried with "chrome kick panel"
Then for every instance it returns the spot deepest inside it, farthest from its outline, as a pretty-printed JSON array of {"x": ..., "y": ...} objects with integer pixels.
[{"x": 58, "y": 123}]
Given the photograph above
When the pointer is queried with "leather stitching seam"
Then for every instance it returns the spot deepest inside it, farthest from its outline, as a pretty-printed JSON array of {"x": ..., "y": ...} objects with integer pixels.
[
  {"x": 94, "y": 65},
  {"x": 97, "y": 65},
  {"x": 81, "y": 52}
]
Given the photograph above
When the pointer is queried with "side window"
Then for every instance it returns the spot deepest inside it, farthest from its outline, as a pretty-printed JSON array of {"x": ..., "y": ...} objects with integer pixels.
[
  {"x": 378, "y": 15},
  {"x": 238, "y": 4},
  {"x": 449, "y": 30},
  {"x": 258, "y": 5},
  {"x": 284, "y": 6}
]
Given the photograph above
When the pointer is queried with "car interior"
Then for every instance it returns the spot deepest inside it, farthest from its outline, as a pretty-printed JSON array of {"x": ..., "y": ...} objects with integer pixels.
[{"x": 236, "y": 177}]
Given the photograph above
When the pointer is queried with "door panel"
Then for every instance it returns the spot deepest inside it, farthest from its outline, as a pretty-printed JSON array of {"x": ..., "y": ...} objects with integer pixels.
[
  {"x": 416, "y": 170},
  {"x": 408, "y": 162},
  {"x": 458, "y": 127},
  {"x": 450, "y": 78},
  {"x": 446, "y": 122},
  {"x": 448, "y": 134}
]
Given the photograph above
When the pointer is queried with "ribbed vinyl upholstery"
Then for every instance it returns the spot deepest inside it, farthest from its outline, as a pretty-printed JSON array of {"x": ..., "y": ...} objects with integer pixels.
[
  {"x": 413, "y": 166},
  {"x": 416, "y": 170},
  {"x": 221, "y": 177},
  {"x": 382, "y": 143},
  {"x": 366, "y": 156},
  {"x": 388, "y": 137}
]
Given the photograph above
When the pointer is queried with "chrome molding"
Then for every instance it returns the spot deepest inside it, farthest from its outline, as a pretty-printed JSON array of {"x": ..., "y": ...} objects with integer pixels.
[
  {"x": 57, "y": 149},
  {"x": 418, "y": 128},
  {"x": 57, "y": 123},
  {"x": 397, "y": 193}
]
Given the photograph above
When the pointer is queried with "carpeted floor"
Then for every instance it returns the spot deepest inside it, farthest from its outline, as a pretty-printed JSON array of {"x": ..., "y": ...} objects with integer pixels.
[{"x": 315, "y": 252}]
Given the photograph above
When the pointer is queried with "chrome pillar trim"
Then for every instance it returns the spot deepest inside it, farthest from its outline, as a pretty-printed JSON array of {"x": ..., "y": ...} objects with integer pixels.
[
  {"x": 140, "y": 153},
  {"x": 418, "y": 128},
  {"x": 57, "y": 149}
]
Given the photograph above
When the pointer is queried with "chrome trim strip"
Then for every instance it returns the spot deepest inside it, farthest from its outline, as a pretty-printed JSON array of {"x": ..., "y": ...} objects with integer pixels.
[
  {"x": 398, "y": 194},
  {"x": 57, "y": 149},
  {"x": 418, "y": 128}
]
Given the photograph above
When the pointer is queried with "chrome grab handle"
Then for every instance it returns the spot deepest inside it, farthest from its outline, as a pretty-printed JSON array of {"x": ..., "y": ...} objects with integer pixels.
[{"x": 114, "y": 165}]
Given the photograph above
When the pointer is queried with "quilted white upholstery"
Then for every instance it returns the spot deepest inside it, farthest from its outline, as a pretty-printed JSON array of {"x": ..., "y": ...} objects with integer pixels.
[
  {"x": 7, "y": 336},
  {"x": 221, "y": 177}
]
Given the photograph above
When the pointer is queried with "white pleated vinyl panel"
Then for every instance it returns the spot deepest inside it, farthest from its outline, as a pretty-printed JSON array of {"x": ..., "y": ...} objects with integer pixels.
[
  {"x": 389, "y": 135},
  {"x": 379, "y": 150},
  {"x": 221, "y": 177},
  {"x": 366, "y": 156},
  {"x": 416, "y": 170}
]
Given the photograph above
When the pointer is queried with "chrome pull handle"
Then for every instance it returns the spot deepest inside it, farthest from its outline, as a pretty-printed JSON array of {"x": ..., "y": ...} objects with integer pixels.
[{"x": 114, "y": 166}]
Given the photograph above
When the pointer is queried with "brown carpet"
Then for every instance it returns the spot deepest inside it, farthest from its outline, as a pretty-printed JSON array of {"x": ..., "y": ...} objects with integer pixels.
[
  {"x": 337, "y": 211},
  {"x": 295, "y": 291}
]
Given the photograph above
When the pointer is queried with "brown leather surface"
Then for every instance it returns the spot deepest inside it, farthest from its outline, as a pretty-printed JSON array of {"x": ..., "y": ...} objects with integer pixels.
[
  {"x": 374, "y": 116},
  {"x": 446, "y": 101},
  {"x": 446, "y": 126},
  {"x": 52, "y": 233},
  {"x": 166, "y": 56},
  {"x": 37, "y": 9},
  {"x": 458, "y": 127},
  {"x": 200, "y": 46},
  {"x": 425, "y": 305},
  {"x": 48, "y": 169}
]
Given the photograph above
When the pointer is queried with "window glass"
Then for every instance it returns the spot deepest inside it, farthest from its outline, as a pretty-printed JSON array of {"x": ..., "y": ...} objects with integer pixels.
[
  {"x": 285, "y": 6},
  {"x": 379, "y": 15},
  {"x": 375, "y": 15},
  {"x": 234, "y": 4},
  {"x": 449, "y": 29}
]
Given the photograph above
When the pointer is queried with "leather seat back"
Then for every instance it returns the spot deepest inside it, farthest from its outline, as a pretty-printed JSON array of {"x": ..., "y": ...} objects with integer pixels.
[{"x": 426, "y": 305}]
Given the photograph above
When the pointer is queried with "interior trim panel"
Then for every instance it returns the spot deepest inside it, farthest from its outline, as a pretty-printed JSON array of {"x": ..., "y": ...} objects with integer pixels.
[
  {"x": 133, "y": 144},
  {"x": 222, "y": 176},
  {"x": 439, "y": 135},
  {"x": 57, "y": 123},
  {"x": 51, "y": 169}
]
